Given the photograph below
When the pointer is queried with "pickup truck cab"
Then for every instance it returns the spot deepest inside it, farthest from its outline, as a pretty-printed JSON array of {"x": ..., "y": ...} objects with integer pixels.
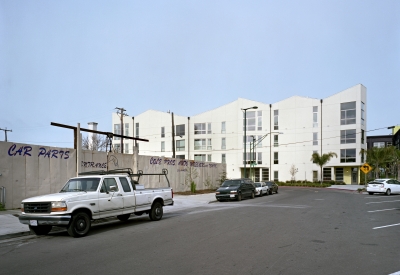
[{"x": 95, "y": 195}]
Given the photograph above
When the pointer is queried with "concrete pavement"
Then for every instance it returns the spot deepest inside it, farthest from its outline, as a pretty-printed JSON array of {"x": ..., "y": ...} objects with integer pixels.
[{"x": 10, "y": 227}]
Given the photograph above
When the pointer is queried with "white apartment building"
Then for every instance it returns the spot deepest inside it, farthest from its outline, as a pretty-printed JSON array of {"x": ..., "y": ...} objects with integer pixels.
[{"x": 280, "y": 137}]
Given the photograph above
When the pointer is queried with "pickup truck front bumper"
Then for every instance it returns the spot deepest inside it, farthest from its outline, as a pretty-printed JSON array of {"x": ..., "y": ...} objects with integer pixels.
[{"x": 61, "y": 220}]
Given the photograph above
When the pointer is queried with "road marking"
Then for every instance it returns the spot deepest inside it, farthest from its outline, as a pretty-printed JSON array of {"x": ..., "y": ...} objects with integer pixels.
[
  {"x": 384, "y": 210},
  {"x": 396, "y": 273},
  {"x": 319, "y": 199},
  {"x": 380, "y": 201},
  {"x": 386, "y": 226}
]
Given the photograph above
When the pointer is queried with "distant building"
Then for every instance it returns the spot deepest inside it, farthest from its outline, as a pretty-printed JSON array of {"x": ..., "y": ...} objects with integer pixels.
[
  {"x": 379, "y": 141},
  {"x": 279, "y": 136}
]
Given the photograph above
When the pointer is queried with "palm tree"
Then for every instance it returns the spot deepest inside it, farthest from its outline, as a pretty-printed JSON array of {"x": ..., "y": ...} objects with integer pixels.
[
  {"x": 321, "y": 160},
  {"x": 378, "y": 158}
]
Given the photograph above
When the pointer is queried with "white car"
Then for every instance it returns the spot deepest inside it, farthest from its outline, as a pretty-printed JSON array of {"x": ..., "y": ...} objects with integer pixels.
[
  {"x": 261, "y": 188},
  {"x": 384, "y": 186}
]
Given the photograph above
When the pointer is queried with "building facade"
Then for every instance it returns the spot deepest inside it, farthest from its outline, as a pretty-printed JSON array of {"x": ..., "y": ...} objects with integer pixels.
[{"x": 280, "y": 137}]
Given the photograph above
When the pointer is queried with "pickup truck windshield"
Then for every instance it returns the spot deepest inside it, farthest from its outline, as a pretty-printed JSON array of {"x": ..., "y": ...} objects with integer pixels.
[{"x": 78, "y": 185}]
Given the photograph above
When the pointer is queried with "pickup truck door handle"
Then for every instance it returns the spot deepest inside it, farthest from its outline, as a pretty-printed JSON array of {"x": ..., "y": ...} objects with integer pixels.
[{"x": 119, "y": 194}]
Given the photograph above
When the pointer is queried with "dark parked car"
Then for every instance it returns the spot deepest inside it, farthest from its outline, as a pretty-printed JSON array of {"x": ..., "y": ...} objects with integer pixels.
[
  {"x": 273, "y": 187},
  {"x": 236, "y": 189}
]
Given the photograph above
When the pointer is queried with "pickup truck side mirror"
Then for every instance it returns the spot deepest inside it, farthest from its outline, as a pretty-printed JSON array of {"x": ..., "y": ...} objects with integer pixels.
[{"x": 113, "y": 188}]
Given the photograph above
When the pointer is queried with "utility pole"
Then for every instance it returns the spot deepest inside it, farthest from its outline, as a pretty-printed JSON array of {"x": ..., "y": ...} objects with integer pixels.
[
  {"x": 5, "y": 132},
  {"x": 173, "y": 135},
  {"x": 121, "y": 114}
]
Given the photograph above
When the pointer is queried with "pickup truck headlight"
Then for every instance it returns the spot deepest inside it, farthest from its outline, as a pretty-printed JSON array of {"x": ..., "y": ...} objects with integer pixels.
[
  {"x": 234, "y": 191},
  {"x": 217, "y": 193},
  {"x": 58, "y": 206},
  {"x": 22, "y": 207}
]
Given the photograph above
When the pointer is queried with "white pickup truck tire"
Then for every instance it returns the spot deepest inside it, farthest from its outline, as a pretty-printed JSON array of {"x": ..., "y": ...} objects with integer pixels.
[
  {"x": 156, "y": 211},
  {"x": 79, "y": 225}
]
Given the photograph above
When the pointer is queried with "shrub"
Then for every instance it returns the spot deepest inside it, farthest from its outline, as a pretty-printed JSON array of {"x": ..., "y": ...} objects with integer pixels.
[{"x": 2, "y": 207}]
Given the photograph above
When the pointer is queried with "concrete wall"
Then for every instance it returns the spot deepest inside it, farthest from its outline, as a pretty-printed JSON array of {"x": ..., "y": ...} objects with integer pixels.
[{"x": 33, "y": 170}]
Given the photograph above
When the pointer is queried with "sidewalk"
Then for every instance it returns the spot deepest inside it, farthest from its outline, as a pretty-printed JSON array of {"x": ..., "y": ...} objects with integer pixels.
[{"x": 10, "y": 227}]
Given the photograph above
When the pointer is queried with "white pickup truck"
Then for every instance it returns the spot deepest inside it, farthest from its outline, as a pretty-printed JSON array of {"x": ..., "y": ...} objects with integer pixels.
[{"x": 96, "y": 195}]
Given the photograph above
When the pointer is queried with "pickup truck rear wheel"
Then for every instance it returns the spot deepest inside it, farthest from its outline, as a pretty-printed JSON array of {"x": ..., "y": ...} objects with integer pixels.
[
  {"x": 79, "y": 225},
  {"x": 124, "y": 217},
  {"x": 156, "y": 212},
  {"x": 40, "y": 229}
]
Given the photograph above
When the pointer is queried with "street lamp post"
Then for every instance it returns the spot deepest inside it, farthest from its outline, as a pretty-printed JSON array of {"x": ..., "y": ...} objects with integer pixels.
[{"x": 245, "y": 138}]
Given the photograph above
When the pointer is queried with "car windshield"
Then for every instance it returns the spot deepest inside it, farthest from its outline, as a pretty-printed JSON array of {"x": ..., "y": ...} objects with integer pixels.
[
  {"x": 78, "y": 185},
  {"x": 231, "y": 183},
  {"x": 378, "y": 181},
  {"x": 257, "y": 184}
]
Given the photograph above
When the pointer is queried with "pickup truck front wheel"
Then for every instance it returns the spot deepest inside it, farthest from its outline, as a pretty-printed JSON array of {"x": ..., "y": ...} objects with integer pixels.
[
  {"x": 156, "y": 212},
  {"x": 40, "y": 229},
  {"x": 79, "y": 225}
]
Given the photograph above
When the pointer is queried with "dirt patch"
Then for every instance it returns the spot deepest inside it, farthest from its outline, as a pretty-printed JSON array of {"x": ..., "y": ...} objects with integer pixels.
[{"x": 198, "y": 192}]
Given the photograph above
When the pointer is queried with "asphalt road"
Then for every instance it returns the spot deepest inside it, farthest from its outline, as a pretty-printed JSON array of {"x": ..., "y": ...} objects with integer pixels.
[{"x": 298, "y": 231}]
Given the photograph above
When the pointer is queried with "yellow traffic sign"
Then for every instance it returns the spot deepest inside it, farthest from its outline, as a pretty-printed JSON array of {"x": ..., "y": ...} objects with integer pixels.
[{"x": 366, "y": 168}]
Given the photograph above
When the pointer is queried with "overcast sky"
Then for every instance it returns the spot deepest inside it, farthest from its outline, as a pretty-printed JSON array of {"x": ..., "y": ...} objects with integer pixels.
[{"x": 75, "y": 61}]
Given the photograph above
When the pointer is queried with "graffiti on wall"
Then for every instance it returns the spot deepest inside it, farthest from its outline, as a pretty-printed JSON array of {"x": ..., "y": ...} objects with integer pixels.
[
  {"x": 91, "y": 164},
  {"x": 181, "y": 163},
  {"x": 43, "y": 152}
]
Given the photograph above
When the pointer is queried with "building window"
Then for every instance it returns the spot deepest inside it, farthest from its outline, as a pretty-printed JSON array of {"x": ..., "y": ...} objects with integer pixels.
[
  {"x": 117, "y": 131},
  {"x": 223, "y": 127},
  {"x": 314, "y": 152},
  {"x": 126, "y": 148},
  {"x": 348, "y": 155},
  {"x": 265, "y": 174},
  {"x": 276, "y": 175},
  {"x": 362, "y": 113},
  {"x": 223, "y": 143},
  {"x": 200, "y": 144},
  {"x": 380, "y": 144},
  {"x": 276, "y": 159},
  {"x": 126, "y": 129},
  {"x": 137, "y": 130},
  {"x": 259, "y": 120},
  {"x": 199, "y": 128},
  {"x": 348, "y": 136},
  {"x": 362, "y": 136},
  {"x": 209, "y": 146},
  {"x": 162, "y": 146},
  {"x": 180, "y": 145},
  {"x": 117, "y": 148},
  {"x": 348, "y": 113},
  {"x": 362, "y": 156},
  {"x": 180, "y": 156},
  {"x": 315, "y": 176},
  {"x": 223, "y": 158},
  {"x": 315, "y": 139},
  {"x": 250, "y": 121},
  {"x": 339, "y": 174},
  {"x": 208, "y": 128},
  {"x": 276, "y": 140},
  {"x": 327, "y": 173},
  {"x": 180, "y": 130},
  {"x": 259, "y": 142},
  {"x": 200, "y": 157},
  {"x": 162, "y": 132},
  {"x": 315, "y": 116},
  {"x": 209, "y": 157},
  {"x": 276, "y": 115},
  {"x": 259, "y": 158}
]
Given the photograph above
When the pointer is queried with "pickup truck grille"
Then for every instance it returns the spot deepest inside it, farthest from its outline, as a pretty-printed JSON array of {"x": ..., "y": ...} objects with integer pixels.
[{"x": 37, "y": 207}]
